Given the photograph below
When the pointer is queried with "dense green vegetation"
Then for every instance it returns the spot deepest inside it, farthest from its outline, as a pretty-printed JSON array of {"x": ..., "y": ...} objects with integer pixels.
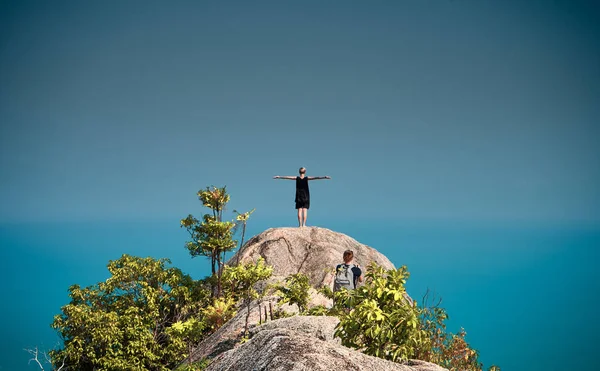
[
  {"x": 382, "y": 322},
  {"x": 294, "y": 291},
  {"x": 380, "y": 319},
  {"x": 385, "y": 322},
  {"x": 127, "y": 321},
  {"x": 148, "y": 316},
  {"x": 241, "y": 283}
]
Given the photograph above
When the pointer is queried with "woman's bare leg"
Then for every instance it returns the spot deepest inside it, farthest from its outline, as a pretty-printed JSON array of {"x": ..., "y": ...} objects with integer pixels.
[
  {"x": 300, "y": 217},
  {"x": 304, "y": 217}
]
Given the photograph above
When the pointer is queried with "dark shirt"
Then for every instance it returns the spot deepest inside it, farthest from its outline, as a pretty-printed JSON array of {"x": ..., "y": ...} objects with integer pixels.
[
  {"x": 355, "y": 271},
  {"x": 302, "y": 193}
]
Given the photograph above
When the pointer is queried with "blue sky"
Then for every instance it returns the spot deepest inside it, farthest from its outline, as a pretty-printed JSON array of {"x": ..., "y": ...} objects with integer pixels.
[{"x": 452, "y": 110}]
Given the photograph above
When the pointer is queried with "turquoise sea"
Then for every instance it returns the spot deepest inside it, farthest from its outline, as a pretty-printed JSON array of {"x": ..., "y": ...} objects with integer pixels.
[{"x": 528, "y": 296}]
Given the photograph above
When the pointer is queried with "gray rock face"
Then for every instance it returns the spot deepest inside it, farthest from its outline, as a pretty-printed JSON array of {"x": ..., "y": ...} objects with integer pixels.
[
  {"x": 293, "y": 344},
  {"x": 228, "y": 335},
  {"x": 309, "y": 250},
  {"x": 319, "y": 327},
  {"x": 300, "y": 342}
]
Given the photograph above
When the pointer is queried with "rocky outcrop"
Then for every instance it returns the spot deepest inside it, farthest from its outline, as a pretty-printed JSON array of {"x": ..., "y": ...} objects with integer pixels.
[
  {"x": 299, "y": 342},
  {"x": 228, "y": 335},
  {"x": 312, "y": 251},
  {"x": 319, "y": 327},
  {"x": 303, "y": 343}
]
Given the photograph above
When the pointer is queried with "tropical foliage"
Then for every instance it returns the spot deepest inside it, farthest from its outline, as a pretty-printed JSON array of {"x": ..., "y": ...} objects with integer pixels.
[
  {"x": 242, "y": 219},
  {"x": 240, "y": 282},
  {"x": 127, "y": 321},
  {"x": 212, "y": 236},
  {"x": 295, "y": 290},
  {"x": 380, "y": 319},
  {"x": 219, "y": 312},
  {"x": 148, "y": 316}
]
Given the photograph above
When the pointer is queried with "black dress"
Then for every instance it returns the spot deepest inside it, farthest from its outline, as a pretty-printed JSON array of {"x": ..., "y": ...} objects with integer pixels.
[{"x": 302, "y": 193}]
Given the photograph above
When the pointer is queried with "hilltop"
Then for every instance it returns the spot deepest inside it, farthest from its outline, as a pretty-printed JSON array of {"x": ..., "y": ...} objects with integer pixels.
[{"x": 299, "y": 342}]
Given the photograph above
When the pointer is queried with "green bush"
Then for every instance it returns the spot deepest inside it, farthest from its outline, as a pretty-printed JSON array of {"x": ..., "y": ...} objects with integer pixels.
[
  {"x": 240, "y": 282},
  {"x": 294, "y": 291},
  {"x": 376, "y": 317},
  {"x": 379, "y": 319},
  {"x": 194, "y": 366},
  {"x": 125, "y": 322}
]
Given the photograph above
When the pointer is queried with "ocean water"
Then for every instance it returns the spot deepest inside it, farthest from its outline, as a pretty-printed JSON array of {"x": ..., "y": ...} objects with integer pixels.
[{"x": 527, "y": 296}]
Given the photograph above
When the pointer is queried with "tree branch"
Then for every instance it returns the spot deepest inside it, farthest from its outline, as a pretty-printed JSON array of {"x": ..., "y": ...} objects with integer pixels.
[{"x": 34, "y": 352}]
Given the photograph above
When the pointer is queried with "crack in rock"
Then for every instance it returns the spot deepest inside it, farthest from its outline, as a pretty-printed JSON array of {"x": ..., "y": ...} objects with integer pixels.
[
  {"x": 268, "y": 243},
  {"x": 305, "y": 257}
]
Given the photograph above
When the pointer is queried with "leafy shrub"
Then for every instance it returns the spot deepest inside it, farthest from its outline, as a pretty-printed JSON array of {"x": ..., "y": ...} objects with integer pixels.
[
  {"x": 376, "y": 317},
  {"x": 379, "y": 319},
  {"x": 240, "y": 282},
  {"x": 318, "y": 310},
  {"x": 219, "y": 312},
  {"x": 194, "y": 366},
  {"x": 125, "y": 322},
  {"x": 294, "y": 291}
]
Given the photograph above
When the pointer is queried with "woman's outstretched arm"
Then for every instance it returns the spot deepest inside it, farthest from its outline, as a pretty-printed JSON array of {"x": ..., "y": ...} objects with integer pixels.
[{"x": 284, "y": 177}]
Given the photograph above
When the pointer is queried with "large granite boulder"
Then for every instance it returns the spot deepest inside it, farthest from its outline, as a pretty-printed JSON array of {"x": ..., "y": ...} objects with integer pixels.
[
  {"x": 300, "y": 342},
  {"x": 319, "y": 327},
  {"x": 313, "y": 251},
  {"x": 228, "y": 335},
  {"x": 303, "y": 343}
]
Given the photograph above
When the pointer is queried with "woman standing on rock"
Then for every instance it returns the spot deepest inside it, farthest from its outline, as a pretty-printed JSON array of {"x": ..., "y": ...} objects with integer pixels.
[{"x": 302, "y": 193}]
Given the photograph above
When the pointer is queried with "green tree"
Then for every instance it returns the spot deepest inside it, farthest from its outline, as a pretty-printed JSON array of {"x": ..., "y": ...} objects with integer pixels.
[
  {"x": 213, "y": 237},
  {"x": 123, "y": 323},
  {"x": 242, "y": 218},
  {"x": 187, "y": 333},
  {"x": 294, "y": 291},
  {"x": 240, "y": 282}
]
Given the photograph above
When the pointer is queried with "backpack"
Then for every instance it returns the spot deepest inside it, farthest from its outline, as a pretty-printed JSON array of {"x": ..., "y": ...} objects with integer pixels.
[{"x": 344, "y": 277}]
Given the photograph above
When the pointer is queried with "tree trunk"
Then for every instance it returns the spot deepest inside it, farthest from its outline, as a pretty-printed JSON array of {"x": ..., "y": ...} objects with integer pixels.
[
  {"x": 259, "y": 314},
  {"x": 219, "y": 273},
  {"x": 247, "y": 318},
  {"x": 212, "y": 285},
  {"x": 241, "y": 244}
]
